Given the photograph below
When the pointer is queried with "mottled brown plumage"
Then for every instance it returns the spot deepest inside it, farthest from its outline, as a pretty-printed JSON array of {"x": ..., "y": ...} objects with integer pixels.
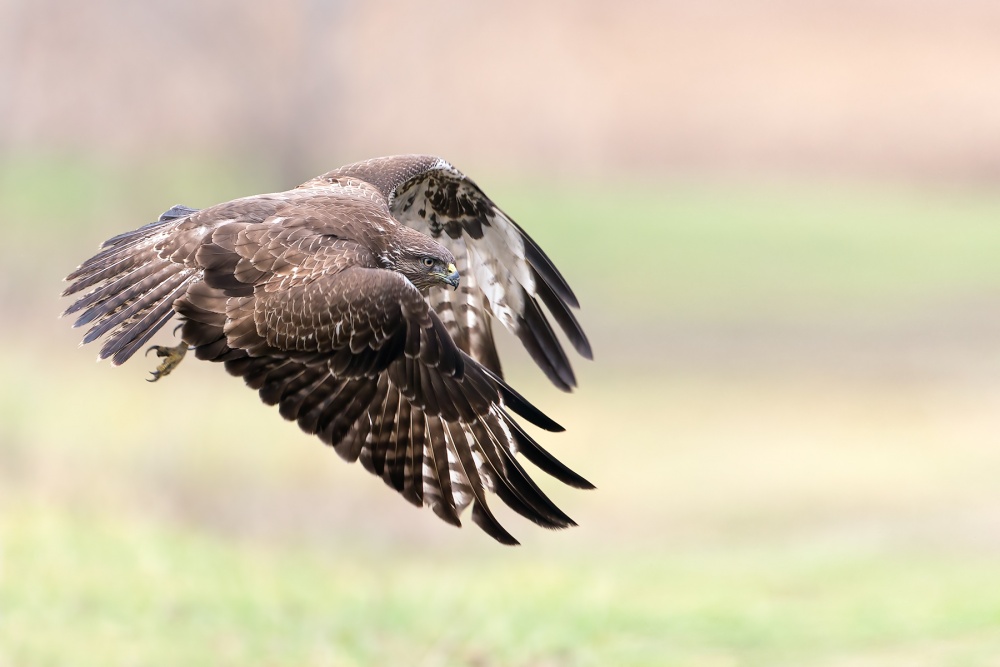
[{"x": 340, "y": 302}]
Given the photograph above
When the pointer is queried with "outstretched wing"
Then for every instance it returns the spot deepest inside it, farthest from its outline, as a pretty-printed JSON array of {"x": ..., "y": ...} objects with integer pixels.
[
  {"x": 504, "y": 272},
  {"x": 130, "y": 286},
  {"x": 354, "y": 354},
  {"x": 132, "y": 283}
]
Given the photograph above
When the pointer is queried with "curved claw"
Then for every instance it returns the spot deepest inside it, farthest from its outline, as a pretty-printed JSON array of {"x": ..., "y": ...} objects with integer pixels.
[{"x": 171, "y": 356}]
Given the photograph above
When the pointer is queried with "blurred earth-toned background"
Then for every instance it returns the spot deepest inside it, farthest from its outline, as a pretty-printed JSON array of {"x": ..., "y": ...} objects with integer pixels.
[{"x": 782, "y": 219}]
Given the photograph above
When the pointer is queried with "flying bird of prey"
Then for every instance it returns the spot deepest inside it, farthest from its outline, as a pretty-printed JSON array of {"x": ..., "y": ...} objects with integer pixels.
[{"x": 360, "y": 303}]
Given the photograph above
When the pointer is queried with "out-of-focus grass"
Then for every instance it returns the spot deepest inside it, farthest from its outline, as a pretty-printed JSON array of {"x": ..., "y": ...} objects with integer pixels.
[
  {"x": 83, "y": 591},
  {"x": 765, "y": 519}
]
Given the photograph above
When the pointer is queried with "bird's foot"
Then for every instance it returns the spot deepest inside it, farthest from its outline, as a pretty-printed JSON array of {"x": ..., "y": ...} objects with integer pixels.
[{"x": 171, "y": 356}]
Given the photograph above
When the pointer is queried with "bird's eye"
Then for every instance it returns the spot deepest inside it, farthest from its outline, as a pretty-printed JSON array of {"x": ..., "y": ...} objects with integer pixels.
[{"x": 428, "y": 262}]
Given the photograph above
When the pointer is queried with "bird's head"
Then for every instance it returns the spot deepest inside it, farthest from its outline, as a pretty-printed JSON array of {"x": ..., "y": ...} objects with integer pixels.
[{"x": 426, "y": 263}]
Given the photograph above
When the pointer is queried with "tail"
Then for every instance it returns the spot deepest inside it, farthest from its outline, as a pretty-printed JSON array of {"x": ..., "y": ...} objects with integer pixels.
[{"x": 132, "y": 288}]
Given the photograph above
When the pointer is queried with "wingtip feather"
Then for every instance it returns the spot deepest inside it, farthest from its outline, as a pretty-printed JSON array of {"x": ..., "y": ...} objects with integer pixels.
[{"x": 483, "y": 518}]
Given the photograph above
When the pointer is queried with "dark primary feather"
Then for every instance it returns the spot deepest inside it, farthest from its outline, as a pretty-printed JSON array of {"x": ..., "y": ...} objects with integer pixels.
[{"x": 316, "y": 298}]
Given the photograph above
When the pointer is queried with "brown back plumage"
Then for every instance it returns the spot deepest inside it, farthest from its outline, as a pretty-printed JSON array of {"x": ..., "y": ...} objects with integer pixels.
[{"x": 311, "y": 295}]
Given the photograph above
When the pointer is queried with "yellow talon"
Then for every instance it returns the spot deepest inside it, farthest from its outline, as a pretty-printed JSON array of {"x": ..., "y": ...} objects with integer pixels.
[{"x": 171, "y": 356}]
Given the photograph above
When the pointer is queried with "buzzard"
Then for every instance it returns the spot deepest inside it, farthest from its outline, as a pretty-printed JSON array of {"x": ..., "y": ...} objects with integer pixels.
[{"x": 360, "y": 303}]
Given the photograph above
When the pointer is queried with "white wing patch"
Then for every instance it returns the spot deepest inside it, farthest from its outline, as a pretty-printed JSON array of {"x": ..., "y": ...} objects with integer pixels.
[
  {"x": 505, "y": 242},
  {"x": 504, "y": 302}
]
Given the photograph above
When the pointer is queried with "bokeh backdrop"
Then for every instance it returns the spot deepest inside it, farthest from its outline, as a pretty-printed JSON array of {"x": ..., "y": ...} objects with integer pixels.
[{"x": 782, "y": 219}]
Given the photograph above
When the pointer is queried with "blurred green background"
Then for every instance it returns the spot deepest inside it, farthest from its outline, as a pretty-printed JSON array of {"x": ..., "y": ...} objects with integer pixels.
[{"x": 781, "y": 219}]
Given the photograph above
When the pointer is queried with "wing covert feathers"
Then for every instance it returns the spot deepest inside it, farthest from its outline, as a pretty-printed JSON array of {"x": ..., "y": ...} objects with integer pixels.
[{"x": 294, "y": 292}]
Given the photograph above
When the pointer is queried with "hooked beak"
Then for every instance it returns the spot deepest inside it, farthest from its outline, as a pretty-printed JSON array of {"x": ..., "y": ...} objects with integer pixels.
[{"x": 452, "y": 278}]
